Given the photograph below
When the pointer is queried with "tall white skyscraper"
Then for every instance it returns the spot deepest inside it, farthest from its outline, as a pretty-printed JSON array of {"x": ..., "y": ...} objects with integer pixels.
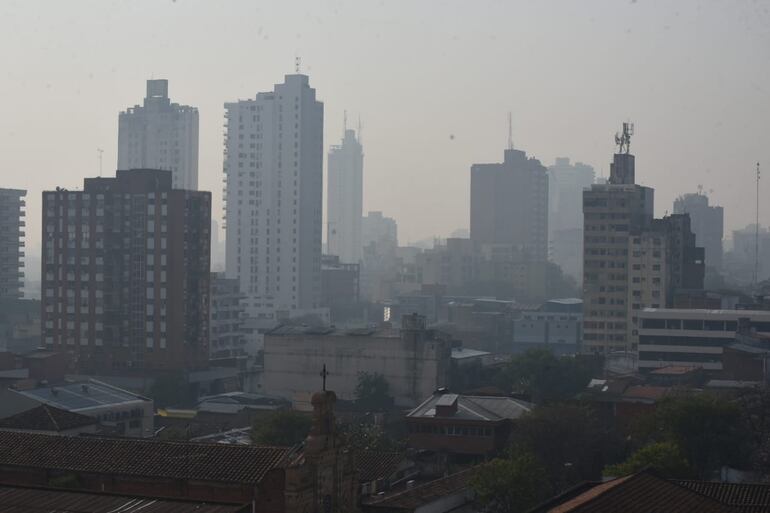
[
  {"x": 160, "y": 135},
  {"x": 345, "y": 193},
  {"x": 274, "y": 198}
]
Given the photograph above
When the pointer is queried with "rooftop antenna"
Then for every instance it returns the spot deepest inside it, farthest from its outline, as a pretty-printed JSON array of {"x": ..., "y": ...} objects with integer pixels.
[
  {"x": 99, "y": 154},
  {"x": 297, "y": 62},
  {"x": 624, "y": 140},
  {"x": 756, "y": 236},
  {"x": 510, "y": 130},
  {"x": 359, "y": 128},
  {"x": 344, "y": 121}
]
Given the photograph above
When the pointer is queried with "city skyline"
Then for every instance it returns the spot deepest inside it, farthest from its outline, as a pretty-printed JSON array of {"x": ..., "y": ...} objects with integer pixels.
[{"x": 694, "y": 129}]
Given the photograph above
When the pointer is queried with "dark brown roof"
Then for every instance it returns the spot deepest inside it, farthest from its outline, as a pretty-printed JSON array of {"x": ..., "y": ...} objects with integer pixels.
[
  {"x": 423, "y": 494},
  {"x": 747, "y": 497},
  {"x": 374, "y": 465},
  {"x": 46, "y": 418},
  {"x": 16, "y": 499},
  {"x": 140, "y": 457},
  {"x": 639, "y": 493}
]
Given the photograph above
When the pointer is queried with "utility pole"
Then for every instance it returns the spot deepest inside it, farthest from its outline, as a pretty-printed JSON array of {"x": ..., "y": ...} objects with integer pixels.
[{"x": 756, "y": 237}]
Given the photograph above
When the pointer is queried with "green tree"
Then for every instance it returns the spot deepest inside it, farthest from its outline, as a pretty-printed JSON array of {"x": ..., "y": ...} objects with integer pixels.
[
  {"x": 363, "y": 436},
  {"x": 663, "y": 457},
  {"x": 707, "y": 428},
  {"x": 281, "y": 428},
  {"x": 511, "y": 485},
  {"x": 546, "y": 377},
  {"x": 569, "y": 441},
  {"x": 373, "y": 392}
]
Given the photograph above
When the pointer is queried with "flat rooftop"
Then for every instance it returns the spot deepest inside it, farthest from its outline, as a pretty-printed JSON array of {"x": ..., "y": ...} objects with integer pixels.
[
  {"x": 684, "y": 313},
  {"x": 82, "y": 396}
]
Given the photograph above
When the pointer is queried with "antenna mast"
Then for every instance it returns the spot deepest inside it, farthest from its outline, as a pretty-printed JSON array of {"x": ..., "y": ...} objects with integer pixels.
[
  {"x": 510, "y": 130},
  {"x": 344, "y": 122},
  {"x": 359, "y": 128},
  {"x": 99, "y": 153},
  {"x": 756, "y": 237},
  {"x": 297, "y": 62}
]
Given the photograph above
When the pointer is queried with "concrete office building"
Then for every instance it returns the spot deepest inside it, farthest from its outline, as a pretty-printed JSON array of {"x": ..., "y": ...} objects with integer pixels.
[
  {"x": 379, "y": 230},
  {"x": 126, "y": 273},
  {"x": 631, "y": 260},
  {"x": 160, "y": 135},
  {"x": 509, "y": 204},
  {"x": 340, "y": 287},
  {"x": 379, "y": 268},
  {"x": 695, "y": 338},
  {"x": 227, "y": 336},
  {"x": 707, "y": 222},
  {"x": 612, "y": 212},
  {"x": 566, "y": 183},
  {"x": 345, "y": 193},
  {"x": 274, "y": 193},
  {"x": 12, "y": 213},
  {"x": 415, "y": 362},
  {"x": 557, "y": 326},
  {"x": 740, "y": 262}
]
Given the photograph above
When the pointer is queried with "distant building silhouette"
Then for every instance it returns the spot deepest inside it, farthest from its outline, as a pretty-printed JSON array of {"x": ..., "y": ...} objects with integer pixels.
[
  {"x": 273, "y": 168},
  {"x": 707, "y": 223},
  {"x": 125, "y": 277},
  {"x": 345, "y": 199},
  {"x": 509, "y": 204},
  {"x": 566, "y": 183},
  {"x": 160, "y": 135},
  {"x": 12, "y": 242}
]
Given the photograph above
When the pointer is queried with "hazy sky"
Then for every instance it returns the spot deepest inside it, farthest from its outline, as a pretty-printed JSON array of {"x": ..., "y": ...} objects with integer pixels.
[{"x": 431, "y": 80}]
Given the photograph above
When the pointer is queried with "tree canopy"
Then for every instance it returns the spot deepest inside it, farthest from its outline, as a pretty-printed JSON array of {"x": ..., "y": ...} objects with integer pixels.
[
  {"x": 281, "y": 428},
  {"x": 373, "y": 392},
  {"x": 663, "y": 457},
  {"x": 546, "y": 377},
  {"x": 511, "y": 485}
]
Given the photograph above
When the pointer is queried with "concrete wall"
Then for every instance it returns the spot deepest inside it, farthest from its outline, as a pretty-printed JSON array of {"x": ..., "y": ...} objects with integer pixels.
[{"x": 414, "y": 365}]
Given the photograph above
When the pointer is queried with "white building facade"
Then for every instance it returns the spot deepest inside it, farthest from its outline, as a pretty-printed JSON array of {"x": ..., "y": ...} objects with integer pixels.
[
  {"x": 273, "y": 168},
  {"x": 160, "y": 135},
  {"x": 345, "y": 194}
]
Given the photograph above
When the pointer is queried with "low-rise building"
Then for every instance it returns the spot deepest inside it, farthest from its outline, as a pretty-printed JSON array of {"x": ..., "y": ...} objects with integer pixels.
[
  {"x": 127, "y": 413},
  {"x": 227, "y": 312},
  {"x": 463, "y": 425},
  {"x": 557, "y": 325},
  {"x": 693, "y": 337},
  {"x": 49, "y": 420},
  {"x": 415, "y": 361}
]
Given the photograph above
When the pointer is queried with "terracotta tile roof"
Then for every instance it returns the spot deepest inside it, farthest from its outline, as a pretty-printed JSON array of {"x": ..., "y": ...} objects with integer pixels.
[
  {"x": 46, "y": 418},
  {"x": 140, "y": 457},
  {"x": 374, "y": 465},
  {"x": 16, "y": 499},
  {"x": 423, "y": 494},
  {"x": 645, "y": 392},
  {"x": 639, "y": 493},
  {"x": 747, "y": 497}
]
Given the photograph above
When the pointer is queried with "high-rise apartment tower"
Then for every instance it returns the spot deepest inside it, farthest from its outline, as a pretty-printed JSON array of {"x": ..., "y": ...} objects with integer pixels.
[
  {"x": 125, "y": 273},
  {"x": 345, "y": 191},
  {"x": 274, "y": 194},
  {"x": 160, "y": 135}
]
